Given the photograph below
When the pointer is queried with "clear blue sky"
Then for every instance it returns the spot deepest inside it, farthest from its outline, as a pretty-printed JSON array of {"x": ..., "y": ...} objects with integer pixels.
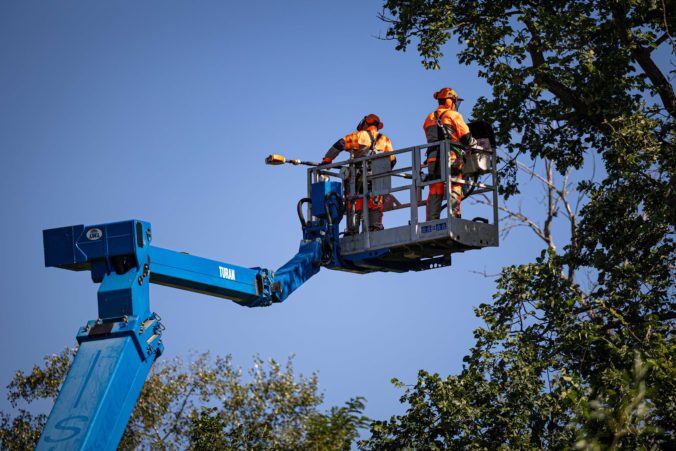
[{"x": 164, "y": 111}]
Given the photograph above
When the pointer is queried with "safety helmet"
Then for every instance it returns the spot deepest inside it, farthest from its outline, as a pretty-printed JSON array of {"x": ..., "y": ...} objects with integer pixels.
[
  {"x": 368, "y": 120},
  {"x": 448, "y": 93}
]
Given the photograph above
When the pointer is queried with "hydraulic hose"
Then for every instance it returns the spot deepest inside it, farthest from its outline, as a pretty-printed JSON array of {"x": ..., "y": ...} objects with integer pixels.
[
  {"x": 329, "y": 220},
  {"x": 341, "y": 207},
  {"x": 299, "y": 209}
]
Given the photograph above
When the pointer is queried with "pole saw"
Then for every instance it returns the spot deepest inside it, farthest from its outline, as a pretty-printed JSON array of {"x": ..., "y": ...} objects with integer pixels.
[{"x": 276, "y": 159}]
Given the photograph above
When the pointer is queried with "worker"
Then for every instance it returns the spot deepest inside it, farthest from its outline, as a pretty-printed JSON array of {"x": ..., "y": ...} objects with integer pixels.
[
  {"x": 364, "y": 142},
  {"x": 446, "y": 124}
]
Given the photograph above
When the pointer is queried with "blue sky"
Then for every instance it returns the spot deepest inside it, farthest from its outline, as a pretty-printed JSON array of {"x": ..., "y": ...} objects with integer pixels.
[{"x": 164, "y": 111}]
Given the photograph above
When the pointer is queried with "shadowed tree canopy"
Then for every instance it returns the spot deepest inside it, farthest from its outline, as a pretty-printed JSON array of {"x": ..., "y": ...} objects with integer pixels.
[
  {"x": 578, "y": 347},
  {"x": 562, "y": 72},
  {"x": 204, "y": 404}
]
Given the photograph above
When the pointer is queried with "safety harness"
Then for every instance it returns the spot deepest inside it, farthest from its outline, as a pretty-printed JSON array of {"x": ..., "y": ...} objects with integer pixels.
[
  {"x": 372, "y": 149},
  {"x": 443, "y": 132},
  {"x": 374, "y": 140}
]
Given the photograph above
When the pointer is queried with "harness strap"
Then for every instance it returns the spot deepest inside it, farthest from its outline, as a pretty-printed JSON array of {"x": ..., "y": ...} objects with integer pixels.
[
  {"x": 374, "y": 140},
  {"x": 444, "y": 134},
  {"x": 438, "y": 118}
]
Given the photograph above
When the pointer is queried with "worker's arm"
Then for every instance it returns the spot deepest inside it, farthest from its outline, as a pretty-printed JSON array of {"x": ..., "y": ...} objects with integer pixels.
[
  {"x": 356, "y": 141},
  {"x": 469, "y": 141},
  {"x": 465, "y": 137},
  {"x": 333, "y": 152}
]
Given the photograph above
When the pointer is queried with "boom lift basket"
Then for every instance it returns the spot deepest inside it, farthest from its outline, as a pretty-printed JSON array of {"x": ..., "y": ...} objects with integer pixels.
[{"x": 416, "y": 244}]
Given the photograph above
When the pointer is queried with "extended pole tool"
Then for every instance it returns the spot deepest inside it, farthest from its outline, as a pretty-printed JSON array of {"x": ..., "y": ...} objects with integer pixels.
[{"x": 276, "y": 159}]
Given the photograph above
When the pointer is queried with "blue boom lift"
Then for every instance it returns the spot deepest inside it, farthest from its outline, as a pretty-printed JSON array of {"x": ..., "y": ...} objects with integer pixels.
[{"x": 117, "y": 350}]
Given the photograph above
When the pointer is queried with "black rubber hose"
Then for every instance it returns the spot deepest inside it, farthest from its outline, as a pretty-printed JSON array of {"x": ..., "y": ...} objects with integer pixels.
[
  {"x": 329, "y": 251},
  {"x": 299, "y": 209},
  {"x": 341, "y": 207}
]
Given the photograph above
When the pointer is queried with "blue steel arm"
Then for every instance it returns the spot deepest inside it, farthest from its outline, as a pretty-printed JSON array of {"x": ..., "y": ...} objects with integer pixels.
[
  {"x": 201, "y": 275},
  {"x": 246, "y": 286},
  {"x": 116, "y": 351},
  {"x": 251, "y": 287}
]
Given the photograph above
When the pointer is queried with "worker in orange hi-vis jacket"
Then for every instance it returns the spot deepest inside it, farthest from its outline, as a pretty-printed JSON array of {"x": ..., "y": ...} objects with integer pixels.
[
  {"x": 365, "y": 141},
  {"x": 445, "y": 123}
]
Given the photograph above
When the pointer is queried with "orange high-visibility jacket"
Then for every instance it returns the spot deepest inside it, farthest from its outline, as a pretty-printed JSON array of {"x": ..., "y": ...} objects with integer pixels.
[
  {"x": 360, "y": 143},
  {"x": 454, "y": 125},
  {"x": 455, "y": 129}
]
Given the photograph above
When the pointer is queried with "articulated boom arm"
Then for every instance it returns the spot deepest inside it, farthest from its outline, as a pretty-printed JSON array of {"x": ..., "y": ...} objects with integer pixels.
[{"x": 116, "y": 351}]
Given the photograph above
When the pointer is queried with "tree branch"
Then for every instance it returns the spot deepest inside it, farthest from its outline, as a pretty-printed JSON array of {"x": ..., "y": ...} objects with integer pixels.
[
  {"x": 516, "y": 215},
  {"x": 179, "y": 414},
  {"x": 566, "y": 95},
  {"x": 573, "y": 226},
  {"x": 661, "y": 39},
  {"x": 642, "y": 56},
  {"x": 551, "y": 206},
  {"x": 484, "y": 273}
]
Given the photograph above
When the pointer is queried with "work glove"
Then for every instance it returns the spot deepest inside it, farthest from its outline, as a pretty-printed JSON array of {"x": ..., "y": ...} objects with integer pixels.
[{"x": 327, "y": 160}]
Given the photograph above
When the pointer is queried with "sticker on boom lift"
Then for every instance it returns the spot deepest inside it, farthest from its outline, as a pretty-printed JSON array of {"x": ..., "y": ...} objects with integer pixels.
[
  {"x": 435, "y": 228},
  {"x": 94, "y": 234}
]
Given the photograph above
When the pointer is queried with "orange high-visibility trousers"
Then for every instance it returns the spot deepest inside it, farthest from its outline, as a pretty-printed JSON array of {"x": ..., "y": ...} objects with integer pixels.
[
  {"x": 375, "y": 208},
  {"x": 436, "y": 197},
  {"x": 436, "y": 194}
]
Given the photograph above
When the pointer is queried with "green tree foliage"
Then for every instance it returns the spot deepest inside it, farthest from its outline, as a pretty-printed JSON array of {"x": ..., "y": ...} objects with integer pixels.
[
  {"x": 563, "y": 361},
  {"x": 203, "y": 404}
]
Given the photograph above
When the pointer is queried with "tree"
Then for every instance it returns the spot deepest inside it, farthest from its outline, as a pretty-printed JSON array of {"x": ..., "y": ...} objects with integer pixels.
[
  {"x": 578, "y": 347},
  {"x": 203, "y": 404}
]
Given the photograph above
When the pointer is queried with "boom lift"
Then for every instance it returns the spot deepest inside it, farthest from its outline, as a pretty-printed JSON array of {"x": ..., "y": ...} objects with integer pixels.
[{"x": 116, "y": 350}]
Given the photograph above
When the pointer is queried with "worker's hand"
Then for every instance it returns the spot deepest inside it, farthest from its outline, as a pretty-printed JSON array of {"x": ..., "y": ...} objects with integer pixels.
[{"x": 327, "y": 160}]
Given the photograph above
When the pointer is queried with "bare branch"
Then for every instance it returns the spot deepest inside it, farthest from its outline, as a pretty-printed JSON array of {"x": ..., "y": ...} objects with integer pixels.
[
  {"x": 517, "y": 215},
  {"x": 665, "y": 22},
  {"x": 484, "y": 273},
  {"x": 573, "y": 226},
  {"x": 381, "y": 38},
  {"x": 533, "y": 174},
  {"x": 551, "y": 206},
  {"x": 507, "y": 227}
]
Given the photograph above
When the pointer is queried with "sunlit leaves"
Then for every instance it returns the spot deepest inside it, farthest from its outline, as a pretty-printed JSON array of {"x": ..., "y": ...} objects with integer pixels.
[
  {"x": 564, "y": 361},
  {"x": 204, "y": 403}
]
